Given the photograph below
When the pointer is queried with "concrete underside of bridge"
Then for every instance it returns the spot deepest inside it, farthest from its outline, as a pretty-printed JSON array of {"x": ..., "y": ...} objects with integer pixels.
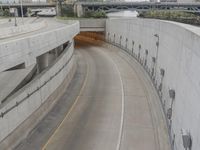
[{"x": 109, "y": 105}]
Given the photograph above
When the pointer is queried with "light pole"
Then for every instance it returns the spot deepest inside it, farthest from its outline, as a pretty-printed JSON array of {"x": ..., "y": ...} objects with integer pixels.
[{"x": 22, "y": 13}]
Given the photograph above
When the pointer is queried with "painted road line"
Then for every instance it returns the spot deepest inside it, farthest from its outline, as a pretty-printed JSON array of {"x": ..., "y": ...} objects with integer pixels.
[{"x": 71, "y": 109}]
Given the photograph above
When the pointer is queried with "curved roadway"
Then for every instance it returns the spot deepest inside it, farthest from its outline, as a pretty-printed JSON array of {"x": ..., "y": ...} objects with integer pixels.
[{"x": 112, "y": 107}]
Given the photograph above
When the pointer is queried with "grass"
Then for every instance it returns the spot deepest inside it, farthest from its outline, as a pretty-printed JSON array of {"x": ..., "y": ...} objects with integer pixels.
[
  {"x": 75, "y": 18},
  {"x": 66, "y": 18}
]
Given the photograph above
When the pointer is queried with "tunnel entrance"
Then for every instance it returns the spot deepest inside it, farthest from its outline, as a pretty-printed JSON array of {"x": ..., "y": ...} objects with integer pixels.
[{"x": 90, "y": 38}]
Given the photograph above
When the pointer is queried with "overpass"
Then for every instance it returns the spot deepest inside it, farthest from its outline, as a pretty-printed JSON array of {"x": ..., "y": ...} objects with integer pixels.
[{"x": 82, "y": 7}]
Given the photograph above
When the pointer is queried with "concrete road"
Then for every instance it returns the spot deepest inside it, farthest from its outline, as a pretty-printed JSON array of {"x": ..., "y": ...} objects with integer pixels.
[{"x": 114, "y": 108}]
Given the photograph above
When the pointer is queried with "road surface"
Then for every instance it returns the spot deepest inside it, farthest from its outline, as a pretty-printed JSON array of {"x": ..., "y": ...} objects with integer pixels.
[{"x": 108, "y": 106}]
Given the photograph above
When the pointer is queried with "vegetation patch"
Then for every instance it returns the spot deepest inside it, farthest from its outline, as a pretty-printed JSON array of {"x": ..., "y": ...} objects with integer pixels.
[
  {"x": 4, "y": 13},
  {"x": 67, "y": 11},
  {"x": 95, "y": 14},
  {"x": 182, "y": 17}
]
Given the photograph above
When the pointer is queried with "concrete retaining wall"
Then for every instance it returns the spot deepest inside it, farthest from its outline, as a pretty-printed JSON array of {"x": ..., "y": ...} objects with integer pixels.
[
  {"x": 27, "y": 102},
  {"x": 174, "y": 48},
  {"x": 92, "y": 24}
]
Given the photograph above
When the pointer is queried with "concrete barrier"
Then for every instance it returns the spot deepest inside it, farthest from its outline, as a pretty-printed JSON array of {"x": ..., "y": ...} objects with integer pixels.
[
  {"x": 23, "y": 110},
  {"x": 169, "y": 52}
]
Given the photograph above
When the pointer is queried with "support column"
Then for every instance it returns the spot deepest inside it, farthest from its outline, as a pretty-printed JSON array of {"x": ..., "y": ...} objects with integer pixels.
[
  {"x": 42, "y": 62},
  {"x": 79, "y": 10}
]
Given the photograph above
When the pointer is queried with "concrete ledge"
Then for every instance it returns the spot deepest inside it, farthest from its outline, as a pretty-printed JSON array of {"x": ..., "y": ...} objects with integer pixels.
[
  {"x": 26, "y": 48},
  {"x": 21, "y": 29}
]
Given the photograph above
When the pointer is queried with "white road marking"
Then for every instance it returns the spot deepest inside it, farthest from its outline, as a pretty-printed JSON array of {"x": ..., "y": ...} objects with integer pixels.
[{"x": 122, "y": 102}]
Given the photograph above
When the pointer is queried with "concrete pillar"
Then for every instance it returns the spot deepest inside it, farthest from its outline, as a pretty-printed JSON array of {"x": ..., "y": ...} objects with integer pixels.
[
  {"x": 47, "y": 59},
  {"x": 42, "y": 62},
  {"x": 58, "y": 51},
  {"x": 75, "y": 9},
  {"x": 51, "y": 57},
  {"x": 58, "y": 10},
  {"x": 79, "y": 10}
]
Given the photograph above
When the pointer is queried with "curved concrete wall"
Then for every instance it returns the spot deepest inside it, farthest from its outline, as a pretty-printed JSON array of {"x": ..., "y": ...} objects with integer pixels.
[
  {"x": 27, "y": 48},
  {"x": 21, "y": 105},
  {"x": 22, "y": 110},
  {"x": 177, "y": 52}
]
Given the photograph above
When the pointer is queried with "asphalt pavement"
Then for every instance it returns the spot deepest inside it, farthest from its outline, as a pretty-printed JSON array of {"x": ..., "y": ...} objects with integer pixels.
[{"x": 108, "y": 106}]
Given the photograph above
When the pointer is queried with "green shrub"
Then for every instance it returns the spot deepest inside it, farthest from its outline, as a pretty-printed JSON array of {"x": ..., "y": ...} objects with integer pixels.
[
  {"x": 1, "y": 12},
  {"x": 68, "y": 11},
  {"x": 95, "y": 14},
  {"x": 183, "y": 17},
  {"x": 4, "y": 13}
]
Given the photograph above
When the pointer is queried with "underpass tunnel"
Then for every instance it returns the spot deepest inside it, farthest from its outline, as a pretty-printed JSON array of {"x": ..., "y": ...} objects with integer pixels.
[{"x": 89, "y": 38}]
